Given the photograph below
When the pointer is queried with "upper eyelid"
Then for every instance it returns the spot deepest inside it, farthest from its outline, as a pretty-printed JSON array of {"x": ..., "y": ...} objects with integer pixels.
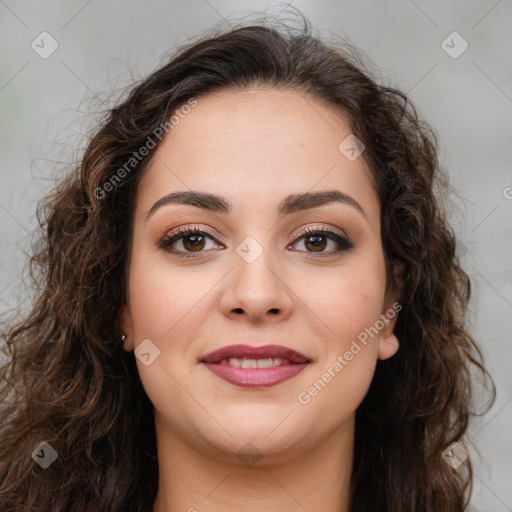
[
  {"x": 324, "y": 227},
  {"x": 183, "y": 231}
]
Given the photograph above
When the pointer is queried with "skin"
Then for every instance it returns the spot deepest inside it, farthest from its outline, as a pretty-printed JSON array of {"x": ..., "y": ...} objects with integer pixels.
[{"x": 254, "y": 148}]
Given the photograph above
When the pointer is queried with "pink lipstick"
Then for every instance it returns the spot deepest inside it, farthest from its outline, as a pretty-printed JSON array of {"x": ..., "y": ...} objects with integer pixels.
[{"x": 255, "y": 367}]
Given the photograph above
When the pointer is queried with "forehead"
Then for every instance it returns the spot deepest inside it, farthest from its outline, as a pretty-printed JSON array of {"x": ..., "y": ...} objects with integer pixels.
[{"x": 257, "y": 145}]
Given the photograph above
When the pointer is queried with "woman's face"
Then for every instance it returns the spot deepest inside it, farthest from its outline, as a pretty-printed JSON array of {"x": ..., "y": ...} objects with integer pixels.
[{"x": 253, "y": 277}]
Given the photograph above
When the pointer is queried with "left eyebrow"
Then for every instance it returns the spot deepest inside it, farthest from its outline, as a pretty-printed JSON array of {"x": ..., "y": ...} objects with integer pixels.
[
  {"x": 308, "y": 200},
  {"x": 291, "y": 204}
]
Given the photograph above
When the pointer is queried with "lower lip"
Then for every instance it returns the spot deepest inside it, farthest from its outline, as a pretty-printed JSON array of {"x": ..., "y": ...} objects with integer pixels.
[{"x": 256, "y": 377}]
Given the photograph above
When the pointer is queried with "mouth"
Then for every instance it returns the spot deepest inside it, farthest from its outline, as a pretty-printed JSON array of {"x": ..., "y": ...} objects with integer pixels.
[{"x": 255, "y": 367}]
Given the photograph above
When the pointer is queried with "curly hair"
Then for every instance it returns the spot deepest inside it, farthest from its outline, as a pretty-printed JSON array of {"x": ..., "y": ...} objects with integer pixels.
[{"x": 68, "y": 382}]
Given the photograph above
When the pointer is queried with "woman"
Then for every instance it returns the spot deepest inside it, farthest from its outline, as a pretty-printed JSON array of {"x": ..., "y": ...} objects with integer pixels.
[{"x": 248, "y": 298}]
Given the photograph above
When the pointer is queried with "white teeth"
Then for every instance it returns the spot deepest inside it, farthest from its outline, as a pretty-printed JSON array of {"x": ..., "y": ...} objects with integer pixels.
[
  {"x": 267, "y": 363},
  {"x": 255, "y": 363}
]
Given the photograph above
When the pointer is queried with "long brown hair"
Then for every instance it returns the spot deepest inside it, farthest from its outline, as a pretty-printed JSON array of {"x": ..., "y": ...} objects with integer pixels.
[{"x": 68, "y": 382}]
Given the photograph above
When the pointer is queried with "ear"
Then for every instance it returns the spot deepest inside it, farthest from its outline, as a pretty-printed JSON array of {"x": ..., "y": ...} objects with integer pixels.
[
  {"x": 388, "y": 342},
  {"x": 388, "y": 347},
  {"x": 126, "y": 324}
]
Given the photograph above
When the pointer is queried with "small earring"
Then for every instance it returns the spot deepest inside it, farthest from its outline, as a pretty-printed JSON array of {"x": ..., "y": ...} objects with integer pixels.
[{"x": 123, "y": 337}]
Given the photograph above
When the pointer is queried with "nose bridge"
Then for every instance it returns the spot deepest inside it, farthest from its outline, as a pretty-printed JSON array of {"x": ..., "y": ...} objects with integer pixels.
[
  {"x": 254, "y": 264},
  {"x": 256, "y": 286}
]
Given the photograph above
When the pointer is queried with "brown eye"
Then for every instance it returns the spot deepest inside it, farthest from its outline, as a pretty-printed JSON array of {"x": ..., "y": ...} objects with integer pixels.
[
  {"x": 187, "y": 242},
  {"x": 193, "y": 242},
  {"x": 317, "y": 240}
]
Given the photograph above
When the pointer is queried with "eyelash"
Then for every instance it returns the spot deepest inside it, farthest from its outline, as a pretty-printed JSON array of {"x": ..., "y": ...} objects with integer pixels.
[{"x": 342, "y": 241}]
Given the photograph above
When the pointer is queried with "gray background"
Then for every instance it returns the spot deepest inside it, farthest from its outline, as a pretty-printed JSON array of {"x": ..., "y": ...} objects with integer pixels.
[{"x": 48, "y": 105}]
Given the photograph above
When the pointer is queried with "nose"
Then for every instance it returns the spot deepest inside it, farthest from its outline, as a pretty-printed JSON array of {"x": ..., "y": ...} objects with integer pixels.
[{"x": 257, "y": 291}]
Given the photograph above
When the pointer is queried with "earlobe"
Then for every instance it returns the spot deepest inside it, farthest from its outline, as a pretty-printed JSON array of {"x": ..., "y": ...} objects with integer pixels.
[
  {"x": 388, "y": 347},
  {"x": 388, "y": 342},
  {"x": 126, "y": 329},
  {"x": 127, "y": 343}
]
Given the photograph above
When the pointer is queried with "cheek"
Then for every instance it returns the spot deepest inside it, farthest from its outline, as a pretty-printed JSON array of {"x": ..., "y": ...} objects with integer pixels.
[
  {"x": 349, "y": 305},
  {"x": 163, "y": 298},
  {"x": 168, "y": 308},
  {"x": 338, "y": 388},
  {"x": 346, "y": 300}
]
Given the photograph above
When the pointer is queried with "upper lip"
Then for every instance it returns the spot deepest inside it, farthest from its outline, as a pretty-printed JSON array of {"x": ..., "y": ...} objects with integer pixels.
[{"x": 249, "y": 352}]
